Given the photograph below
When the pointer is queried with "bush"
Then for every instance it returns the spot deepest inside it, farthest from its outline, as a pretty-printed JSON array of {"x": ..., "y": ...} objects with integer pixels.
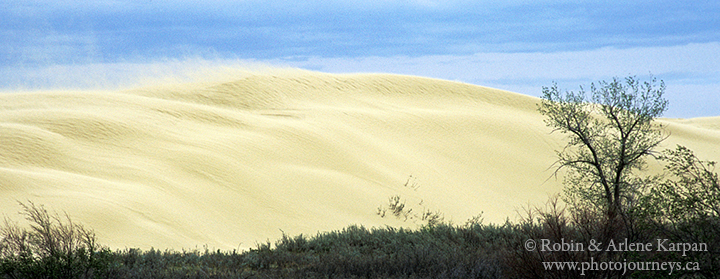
[
  {"x": 51, "y": 248},
  {"x": 473, "y": 250},
  {"x": 439, "y": 251},
  {"x": 686, "y": 207}
]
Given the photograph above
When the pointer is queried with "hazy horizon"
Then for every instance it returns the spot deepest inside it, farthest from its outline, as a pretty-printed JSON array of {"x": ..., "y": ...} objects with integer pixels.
[{"x": 518, "y": 46}]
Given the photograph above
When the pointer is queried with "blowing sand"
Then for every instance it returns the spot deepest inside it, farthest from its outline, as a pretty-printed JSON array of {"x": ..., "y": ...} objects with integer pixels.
[{"x": 231, "y": 163}]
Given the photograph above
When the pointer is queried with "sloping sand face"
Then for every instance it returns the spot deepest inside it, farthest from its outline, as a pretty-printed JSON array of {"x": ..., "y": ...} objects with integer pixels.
[{"x": 230, "y": 164}]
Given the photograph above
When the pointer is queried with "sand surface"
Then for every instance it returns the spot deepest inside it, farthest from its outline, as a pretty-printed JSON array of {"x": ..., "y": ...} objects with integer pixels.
[{"x": 230, "y": 163}]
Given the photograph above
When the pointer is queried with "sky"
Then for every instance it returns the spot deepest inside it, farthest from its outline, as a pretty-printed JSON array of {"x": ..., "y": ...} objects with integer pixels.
[{"x": 514, "y": 45}]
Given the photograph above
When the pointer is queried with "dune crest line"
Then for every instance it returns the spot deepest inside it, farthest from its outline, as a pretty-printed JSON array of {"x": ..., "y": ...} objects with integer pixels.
[{"x": 231, "y": 163}]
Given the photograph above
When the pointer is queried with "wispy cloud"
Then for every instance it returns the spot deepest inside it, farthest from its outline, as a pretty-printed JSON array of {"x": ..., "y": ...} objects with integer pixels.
[
  {"x": 692, "y": 72},
  {"x": 137, "y": 29},
  {"x": 517, "y": 45},
  {"x": 694, "y": 59}
]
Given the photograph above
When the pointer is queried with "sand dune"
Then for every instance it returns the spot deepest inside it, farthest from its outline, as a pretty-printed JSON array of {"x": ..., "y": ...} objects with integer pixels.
[{"x": 228, "y": 164}]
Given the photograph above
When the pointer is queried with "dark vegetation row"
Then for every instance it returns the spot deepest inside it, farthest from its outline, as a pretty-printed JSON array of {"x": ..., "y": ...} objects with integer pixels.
[
  {"x": 55, "y": 249},
  {"x": 608, "y": 198}
]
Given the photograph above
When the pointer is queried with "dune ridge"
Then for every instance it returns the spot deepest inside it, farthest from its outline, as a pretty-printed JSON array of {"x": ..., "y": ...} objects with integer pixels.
[{"x": 231, "y": 163}]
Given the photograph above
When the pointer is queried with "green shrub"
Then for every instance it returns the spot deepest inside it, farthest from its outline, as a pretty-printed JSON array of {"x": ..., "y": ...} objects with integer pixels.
[
  {"x": 473, "y": 250},
  {"x": 51, "y": 248}
]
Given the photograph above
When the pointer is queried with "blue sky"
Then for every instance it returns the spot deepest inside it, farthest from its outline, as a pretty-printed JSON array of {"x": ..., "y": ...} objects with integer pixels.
[{"x": 513, "y": 45}]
